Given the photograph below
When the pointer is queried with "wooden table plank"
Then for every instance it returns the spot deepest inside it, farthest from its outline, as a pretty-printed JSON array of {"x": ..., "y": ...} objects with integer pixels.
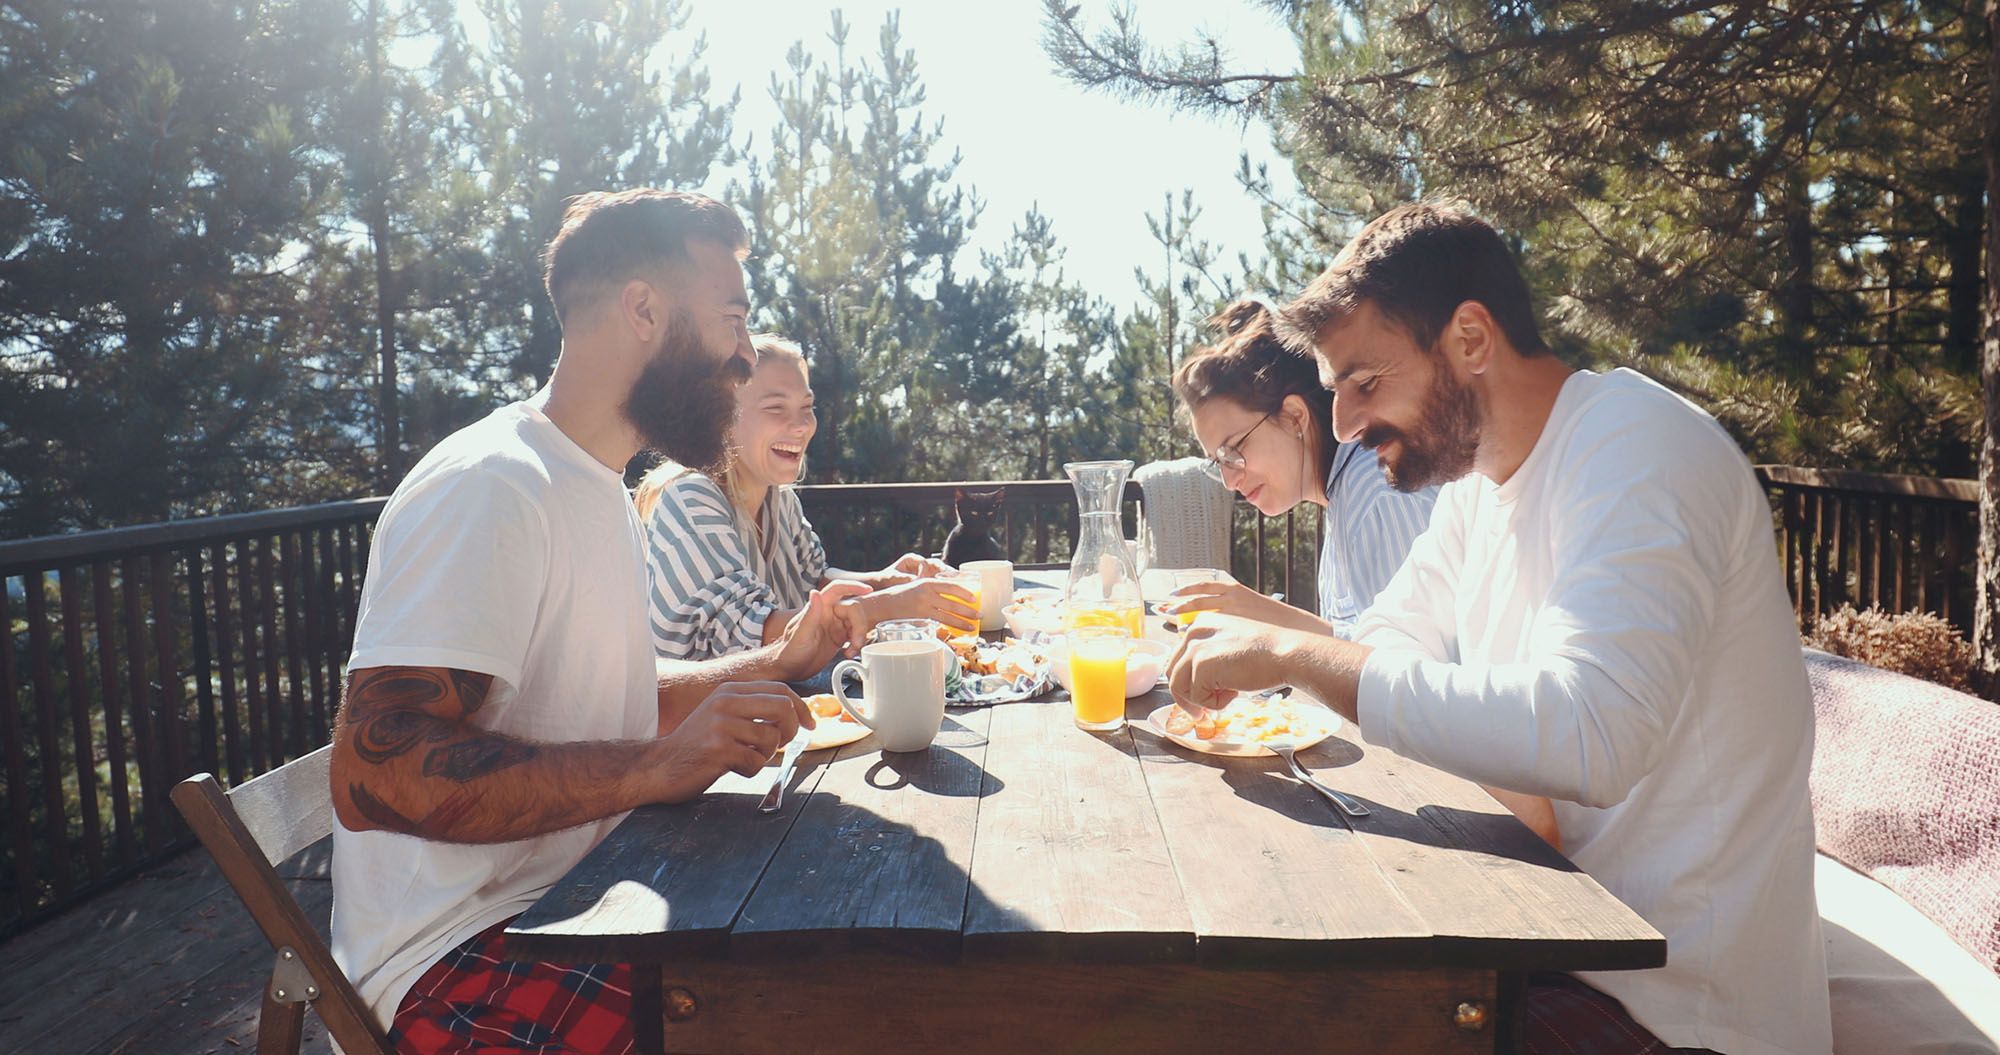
[
  {"x": 671, "y": 880},
  {"x": 881, "y": 854},
  {"x": 1270, "y": 875},
  {"x": 873, "y": 1005},
  {"x": 1071, "y": 865},
  {"x": 1492, "y": 891}
]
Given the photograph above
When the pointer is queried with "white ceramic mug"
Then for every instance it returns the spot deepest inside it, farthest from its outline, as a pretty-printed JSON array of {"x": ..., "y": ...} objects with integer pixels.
[
  {"x": 996, "y": 588},
  {"x": 904, "y": 686},
  {"x": 917, "y": 630}
]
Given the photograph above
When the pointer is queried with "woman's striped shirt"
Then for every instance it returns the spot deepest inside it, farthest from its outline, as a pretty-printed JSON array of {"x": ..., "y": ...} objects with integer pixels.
[
  {"x": 1369, "y": 528},
  {"x": 711, "y": 587}
]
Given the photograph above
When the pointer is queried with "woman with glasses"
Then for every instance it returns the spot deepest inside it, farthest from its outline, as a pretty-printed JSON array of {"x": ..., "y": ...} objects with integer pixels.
[{"x": 1259, "y": 411}]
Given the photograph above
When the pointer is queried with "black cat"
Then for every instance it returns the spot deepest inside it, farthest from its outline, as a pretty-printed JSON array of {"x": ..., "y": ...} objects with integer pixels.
[{"x": 972, "y": 538}]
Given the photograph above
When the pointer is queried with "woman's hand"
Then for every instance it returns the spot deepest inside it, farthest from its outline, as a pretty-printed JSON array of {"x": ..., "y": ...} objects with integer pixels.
[
  {"x": 1234, "y": 598},
  {"x": 915, "y": 566},
  {"x": 922, "y": 599},
  {"x": 908, "y": 568}
]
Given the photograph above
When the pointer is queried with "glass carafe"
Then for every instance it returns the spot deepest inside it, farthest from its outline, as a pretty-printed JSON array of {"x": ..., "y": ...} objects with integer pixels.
[{"x": 1103, "y": 587}]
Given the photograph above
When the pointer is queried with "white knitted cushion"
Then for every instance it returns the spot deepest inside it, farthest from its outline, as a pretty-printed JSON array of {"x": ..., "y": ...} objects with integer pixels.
[{"x": 1184, "y": 520}]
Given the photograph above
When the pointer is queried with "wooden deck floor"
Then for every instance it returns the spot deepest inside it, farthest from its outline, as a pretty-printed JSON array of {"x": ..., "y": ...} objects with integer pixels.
[{"x": 167, "y": 964}]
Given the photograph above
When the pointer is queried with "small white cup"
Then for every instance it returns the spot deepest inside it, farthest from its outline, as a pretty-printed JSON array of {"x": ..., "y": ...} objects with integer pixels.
[
  {"x": 996, "y": 588},
  {"x": 904, "y": 686}
]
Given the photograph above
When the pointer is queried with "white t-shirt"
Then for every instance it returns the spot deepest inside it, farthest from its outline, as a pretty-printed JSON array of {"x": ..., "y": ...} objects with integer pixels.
[
  {"x": 1610, "y": 628},
  {"x": 508, "y": 551}
]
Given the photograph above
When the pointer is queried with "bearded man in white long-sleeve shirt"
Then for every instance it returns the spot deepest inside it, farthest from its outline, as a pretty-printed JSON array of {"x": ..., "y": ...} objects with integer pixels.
[{"x": 1596, "y": 615}]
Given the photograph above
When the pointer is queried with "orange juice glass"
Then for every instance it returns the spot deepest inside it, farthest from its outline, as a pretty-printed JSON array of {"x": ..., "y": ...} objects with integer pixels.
[
  {"x": 1130, "y": 615},
  {"x": 1193, "y": 576},
  {"x": 1097, "y": 656},
  {"x": 967, "y": 582}
]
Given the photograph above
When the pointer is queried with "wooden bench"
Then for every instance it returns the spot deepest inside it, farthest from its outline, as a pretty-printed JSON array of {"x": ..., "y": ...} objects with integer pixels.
[{"x": 1906, "y": 806}]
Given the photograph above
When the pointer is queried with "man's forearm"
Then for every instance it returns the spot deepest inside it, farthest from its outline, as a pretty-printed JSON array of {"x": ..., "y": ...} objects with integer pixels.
[
  {"x": 486, "y": 788},
  {"x": 1327, "y": 668},
  {"x": 406, "y": 759}
]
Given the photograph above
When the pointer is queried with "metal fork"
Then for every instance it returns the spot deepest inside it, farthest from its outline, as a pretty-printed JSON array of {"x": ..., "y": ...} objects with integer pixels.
[{"x": 1346, "y": 803}]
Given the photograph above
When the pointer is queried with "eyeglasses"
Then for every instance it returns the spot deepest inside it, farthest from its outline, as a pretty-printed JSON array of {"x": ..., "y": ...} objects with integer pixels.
[{"x": 1230, "y": 456}]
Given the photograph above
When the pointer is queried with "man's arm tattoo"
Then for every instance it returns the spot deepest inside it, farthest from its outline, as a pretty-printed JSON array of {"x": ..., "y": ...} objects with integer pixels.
[
  {"x": 386, "y": 709},
  {"x": 378, "y": 813},
  {"x": 475, "y": 757},
  {"x": 472, "y": 688}
]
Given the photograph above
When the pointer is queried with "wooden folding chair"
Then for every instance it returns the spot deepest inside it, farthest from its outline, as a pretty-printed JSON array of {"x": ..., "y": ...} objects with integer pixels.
[{"x": 248, "y": 831}]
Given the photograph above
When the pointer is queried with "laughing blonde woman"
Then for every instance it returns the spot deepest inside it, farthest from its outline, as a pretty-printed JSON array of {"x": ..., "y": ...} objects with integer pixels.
[{"x": 731, "y": 557}]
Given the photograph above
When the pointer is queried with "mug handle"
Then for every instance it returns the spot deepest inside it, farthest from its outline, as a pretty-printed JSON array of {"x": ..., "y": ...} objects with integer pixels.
[{"x": 840, "y": 672}]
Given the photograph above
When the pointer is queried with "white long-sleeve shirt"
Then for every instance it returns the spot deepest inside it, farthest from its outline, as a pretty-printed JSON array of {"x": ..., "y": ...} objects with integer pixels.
[{"x": 1610, "y": 629}]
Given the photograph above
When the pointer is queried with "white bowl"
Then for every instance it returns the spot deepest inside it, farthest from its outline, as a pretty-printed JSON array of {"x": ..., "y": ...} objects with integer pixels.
[
  {"x": 1044, "y": 619},
  {"x": 1142, "y": 670}
]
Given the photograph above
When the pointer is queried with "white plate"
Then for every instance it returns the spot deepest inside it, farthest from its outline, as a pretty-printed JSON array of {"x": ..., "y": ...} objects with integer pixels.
[
  {"x": 832, "y": 732},
  {"x": 1156, "y": 723}
]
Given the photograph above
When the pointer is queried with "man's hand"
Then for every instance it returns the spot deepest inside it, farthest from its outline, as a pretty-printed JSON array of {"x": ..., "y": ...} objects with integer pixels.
[
  {"x": 828, "y": 625},
  {"x": 736, "y": 730},
  {"x": 1220, "y": 656}
]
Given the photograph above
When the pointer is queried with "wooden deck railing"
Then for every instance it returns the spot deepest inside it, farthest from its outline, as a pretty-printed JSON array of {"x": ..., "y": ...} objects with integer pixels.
[
  {"x": 1901, "y": 543},
  {"x": 140, "y": 655}
]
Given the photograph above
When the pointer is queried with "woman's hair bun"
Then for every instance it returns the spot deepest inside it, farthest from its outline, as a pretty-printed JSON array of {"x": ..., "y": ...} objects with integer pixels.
[{"x": 1244, "y": 313}]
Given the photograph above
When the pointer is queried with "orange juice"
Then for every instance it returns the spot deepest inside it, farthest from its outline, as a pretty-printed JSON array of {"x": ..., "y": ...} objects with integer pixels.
[
  {"x": 1131, "y": 615},
  {"x": 1097, "y": 676},
  {"x": 1186, "y": 577},
  {"x": 967, "y": 583}
]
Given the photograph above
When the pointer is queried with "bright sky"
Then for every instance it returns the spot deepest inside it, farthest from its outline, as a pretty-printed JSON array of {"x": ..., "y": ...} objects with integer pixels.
[{"x": 1096, "y": 164}]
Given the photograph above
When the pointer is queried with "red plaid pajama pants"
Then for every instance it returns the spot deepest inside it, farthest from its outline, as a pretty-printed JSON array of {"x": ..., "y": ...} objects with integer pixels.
[
  {"x": 475, "y": 1001},
  {"x": 1562, "y": 1016}
]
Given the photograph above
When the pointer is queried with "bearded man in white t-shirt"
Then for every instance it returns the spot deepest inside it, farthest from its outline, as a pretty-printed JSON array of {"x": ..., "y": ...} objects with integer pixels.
[
  {"x": 503, "y": 709},
  {"x": 1596, "y": 615}
]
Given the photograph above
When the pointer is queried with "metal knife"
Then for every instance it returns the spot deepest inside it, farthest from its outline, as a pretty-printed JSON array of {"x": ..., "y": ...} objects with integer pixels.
[{"x": 774, "y": 799}]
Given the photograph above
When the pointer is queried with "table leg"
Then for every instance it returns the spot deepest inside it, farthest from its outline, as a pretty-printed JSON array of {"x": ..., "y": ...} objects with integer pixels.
[
  {"x": 1506, "y": 1018},
  {"x": 648, "y": 1016}
]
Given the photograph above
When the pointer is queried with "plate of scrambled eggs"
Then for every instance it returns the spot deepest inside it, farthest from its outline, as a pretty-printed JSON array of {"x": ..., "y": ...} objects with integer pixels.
[{"x": 1247, "y": 725}]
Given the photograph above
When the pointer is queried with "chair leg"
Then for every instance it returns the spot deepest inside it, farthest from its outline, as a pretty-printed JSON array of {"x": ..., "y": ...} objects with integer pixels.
[{"x": 280, "y": 1026}]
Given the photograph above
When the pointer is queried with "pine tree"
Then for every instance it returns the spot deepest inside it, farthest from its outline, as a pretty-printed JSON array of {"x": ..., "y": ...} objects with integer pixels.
[
  {"x": 1771, "y": 207},
  {"x": 158, "y": 176},
  {"x": 856, "y": 228},
  {"x": 570, "y": 96}
]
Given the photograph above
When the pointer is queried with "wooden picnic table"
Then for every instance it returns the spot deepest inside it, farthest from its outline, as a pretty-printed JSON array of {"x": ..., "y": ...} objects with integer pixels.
[{"x": 1026, "y": 886}]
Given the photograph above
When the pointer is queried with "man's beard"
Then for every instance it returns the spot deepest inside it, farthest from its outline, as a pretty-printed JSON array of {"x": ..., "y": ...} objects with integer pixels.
[
  {"x": 1446, "y": 443},
  {"x": 684, "y": 401}
]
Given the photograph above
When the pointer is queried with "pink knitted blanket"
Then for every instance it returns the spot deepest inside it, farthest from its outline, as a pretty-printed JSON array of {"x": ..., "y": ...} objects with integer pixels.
[{"x": 1906, "y": 789}]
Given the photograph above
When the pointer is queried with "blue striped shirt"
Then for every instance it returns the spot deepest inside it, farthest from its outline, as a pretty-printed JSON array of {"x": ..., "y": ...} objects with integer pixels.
[
  {"x": 711, "y": 589},
  {"x": 1368, "y": 530}
]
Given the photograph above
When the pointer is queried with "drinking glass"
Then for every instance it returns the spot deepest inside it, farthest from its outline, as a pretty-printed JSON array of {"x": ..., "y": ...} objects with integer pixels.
[
  {"x": 1192, "y": 576},
  {"x": 1128, "y": 615},
  {"x": 1097, "y": 656},
  {"x": 968, "y": 582},
  {"x": 906, "y": 629}
]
